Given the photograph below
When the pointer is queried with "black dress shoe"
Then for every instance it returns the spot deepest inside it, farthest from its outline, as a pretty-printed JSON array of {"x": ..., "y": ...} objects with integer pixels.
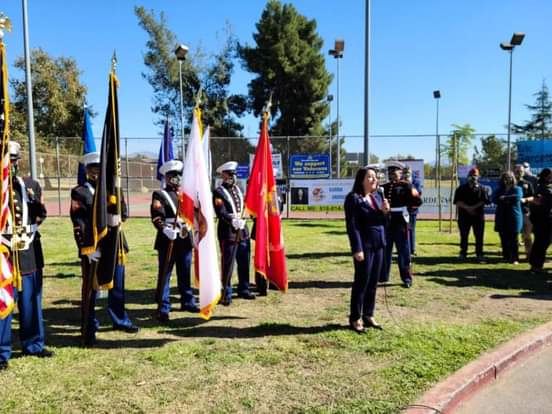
[
  {"x": 246, "y": 295},
  {"x": 90, "y": 342},
  {"x": 41, "y": 354},
  {"x": 188, "y": 308},
  {"x": 163, "y": 317},
  {"x": 262, "y": 293},
  {"x": 3, "y": 365},
  {"x": 128, "y": 329},
  {"x": 408, "y": 283},
  {"x": 225, "y": 301},
  {"x": 357, "y": 327},
  {"x": 371, "y": 323}
]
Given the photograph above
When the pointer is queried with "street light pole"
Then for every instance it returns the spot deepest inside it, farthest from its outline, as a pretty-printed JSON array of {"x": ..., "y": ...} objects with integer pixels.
[
  {"x": 181, "y": 52},
  {"x": 366, "y": 156},
  {"x": 337, "y": 53},
  {"x": 437, "y": 96},
  {"x": 517, "y": 39},
  {"x": 330, "y": 99},
  {"x": 509, "y": 168},
  {"x": 29, "y": 86}
]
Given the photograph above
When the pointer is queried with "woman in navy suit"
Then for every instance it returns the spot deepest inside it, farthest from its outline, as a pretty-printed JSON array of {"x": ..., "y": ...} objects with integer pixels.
[{"x": 365, "y": 211}]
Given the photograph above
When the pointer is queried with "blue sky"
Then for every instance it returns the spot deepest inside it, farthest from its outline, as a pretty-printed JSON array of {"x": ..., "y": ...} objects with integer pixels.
[{"x": 417, "y": 46}]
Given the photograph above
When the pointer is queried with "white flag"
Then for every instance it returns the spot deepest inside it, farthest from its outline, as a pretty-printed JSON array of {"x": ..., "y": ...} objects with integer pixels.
[{"x": 196, "y": 208}]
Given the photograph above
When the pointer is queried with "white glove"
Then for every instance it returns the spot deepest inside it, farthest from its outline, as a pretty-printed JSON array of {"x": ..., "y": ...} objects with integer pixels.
[
  {"x": 94, "y": 257},
  {"x": 236, "y": 223},
  {"x": 242, "y": 225},
  {"x": 171, "y": 233}
]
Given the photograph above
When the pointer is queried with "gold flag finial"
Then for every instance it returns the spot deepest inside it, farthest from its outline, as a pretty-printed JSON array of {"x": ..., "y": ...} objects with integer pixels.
[
  {"x": 198, "y": 97},
  {"x": 268, "y": 106},
  {"x": 5, "y": 24},
  {"x": 114, "y": 62}
]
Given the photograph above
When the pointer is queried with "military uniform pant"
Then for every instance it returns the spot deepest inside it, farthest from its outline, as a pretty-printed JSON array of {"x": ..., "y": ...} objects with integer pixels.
[
  {"x": 183, "y": 260},
  {"x": 397, "y": 234},
  {"x": 239, "y": 252},
  {"x": 542, "y": 232},
  {"x": 115, "y": 300},
  {"x": 31, "y": 324},
  {"x": 5, "y": 338},
  {"x": 363, "y": 293},
  {"x": 412, "y": 232},
  {"x": 478, "y": 225}
]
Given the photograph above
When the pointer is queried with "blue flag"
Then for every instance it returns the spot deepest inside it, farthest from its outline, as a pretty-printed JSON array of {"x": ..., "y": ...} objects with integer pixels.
[
  {"x": 89, "y": 144},
  {"x": 166, "y": 151}
]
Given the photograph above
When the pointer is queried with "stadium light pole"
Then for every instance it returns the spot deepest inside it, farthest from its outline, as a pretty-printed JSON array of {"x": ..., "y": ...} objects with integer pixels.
[
  {"x": 181, "y": 52},
  {"x": 367, "y": 26},
  {"x": 437, "y": 96},
  {"x": 330, "y": 99},
  {"x": 29, "y": 86},
  {"x": 337, "y": 53},
  {"x": 517, "y": 39}
]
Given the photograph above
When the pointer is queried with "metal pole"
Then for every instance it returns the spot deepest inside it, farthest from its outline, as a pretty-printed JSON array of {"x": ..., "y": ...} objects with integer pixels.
[
  {"x": 338, "y": 128},
  {"x": 29, "y": 85},
  {"x": 367, "y": 85},
  {"x": 438, "y": 166},
  {"x": 58, "y": 176},
  {"x": 127, "y": 174},
  {"x": 288, "y": 199},
  {"x": 510, "y": 114},
  {"x": 181, "y": 108},
  {"x": 331, "y": 136}
]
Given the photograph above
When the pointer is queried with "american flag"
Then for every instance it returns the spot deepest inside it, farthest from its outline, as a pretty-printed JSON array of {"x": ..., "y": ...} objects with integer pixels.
[{"x": 6, "y": 269}]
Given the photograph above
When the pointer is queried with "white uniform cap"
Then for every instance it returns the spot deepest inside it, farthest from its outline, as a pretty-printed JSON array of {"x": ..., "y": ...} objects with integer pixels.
[
  {"x": 228, "y": 166},
  {"x": 172, "y": 165},
  {"x": 90, "y": 158},
  {"x": 14, "y": 148},
  {"x": 393, "y": 165}
]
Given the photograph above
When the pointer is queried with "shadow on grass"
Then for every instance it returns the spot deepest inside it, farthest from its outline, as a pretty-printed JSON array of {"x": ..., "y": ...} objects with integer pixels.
[
  {"x": 524, "y": 295},
  {"x": 62, "y": 276},
  {"x": 471, "y": 260},
  {"x": 505, "y": 278},
  {"x": 320, "y": 284},
  {"x": 67, "y": 263},
  {"x": 273, "y": 329}
]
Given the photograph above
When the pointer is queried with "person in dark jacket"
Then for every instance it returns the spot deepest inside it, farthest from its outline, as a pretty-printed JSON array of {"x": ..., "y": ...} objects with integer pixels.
[
  {"x": 528, "y": 191},
  {"x": 541, "y": 218},
  {"x": 82, "y": 200},
  {"x": 412, "y": 211},
  {"x": 470, "y": 198},
  {"x": 508, "y": 216},
  {"x": 24, "y": 237},
  {"x": 164, "y": 204},
  {"x": 365, "y": 211}
]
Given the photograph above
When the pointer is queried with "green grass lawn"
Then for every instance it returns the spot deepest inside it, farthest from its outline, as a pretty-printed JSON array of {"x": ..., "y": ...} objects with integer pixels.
[{"x": 283, "y": 353}]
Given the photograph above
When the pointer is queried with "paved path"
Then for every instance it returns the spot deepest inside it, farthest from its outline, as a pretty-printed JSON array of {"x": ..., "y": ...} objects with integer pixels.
[{"x": 525, "y": 388}]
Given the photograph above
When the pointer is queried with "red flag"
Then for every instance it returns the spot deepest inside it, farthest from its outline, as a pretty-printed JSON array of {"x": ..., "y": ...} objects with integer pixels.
[{"x": 261, "y": 202}]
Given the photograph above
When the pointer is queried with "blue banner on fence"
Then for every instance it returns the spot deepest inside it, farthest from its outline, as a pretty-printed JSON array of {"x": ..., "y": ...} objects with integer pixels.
[
  {"x": 536, "y": 153},
  {"x": 242, "y": 171},
  {"x": 309, "y": 166}
]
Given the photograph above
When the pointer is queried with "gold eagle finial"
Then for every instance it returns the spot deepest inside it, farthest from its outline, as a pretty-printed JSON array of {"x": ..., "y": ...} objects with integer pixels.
[{"x": 5, "y": 24}]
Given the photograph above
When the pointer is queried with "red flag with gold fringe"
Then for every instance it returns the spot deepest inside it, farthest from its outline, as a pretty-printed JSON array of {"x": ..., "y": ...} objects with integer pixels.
[{"x": 261, "y": 202}]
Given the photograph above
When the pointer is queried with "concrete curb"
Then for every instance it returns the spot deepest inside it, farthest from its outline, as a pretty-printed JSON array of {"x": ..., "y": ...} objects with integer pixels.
[{"x": 460, "y": 386}]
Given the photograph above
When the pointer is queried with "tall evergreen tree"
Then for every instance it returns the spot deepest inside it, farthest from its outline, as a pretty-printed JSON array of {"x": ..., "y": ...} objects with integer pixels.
[
  {"x": 540, "y": 124},
  {"x": 288, "y": 62},
  {"x": 220, "y": 108}
]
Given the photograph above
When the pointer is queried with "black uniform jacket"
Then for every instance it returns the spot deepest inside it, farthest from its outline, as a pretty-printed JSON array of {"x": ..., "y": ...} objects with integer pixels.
[
  {"x": 223, "y": 208},
  {"x": 401, "y": 194},
  {"x": 161, "y": 210},
  {"x": 32, "y": 258},
  {"x": 82, "y": 201},
  {"x": 365, "y": 223}
]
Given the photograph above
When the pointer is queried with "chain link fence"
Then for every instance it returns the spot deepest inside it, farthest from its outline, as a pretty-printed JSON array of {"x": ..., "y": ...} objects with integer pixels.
[{"x": 58, "y": 161}]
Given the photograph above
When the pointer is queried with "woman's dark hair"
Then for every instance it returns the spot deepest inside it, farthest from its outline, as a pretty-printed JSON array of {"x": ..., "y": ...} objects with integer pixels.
[
  {"x": 358, "y": 186},
  {"x": 544, "y": 174},
  {"x": 508, "y": 175}
]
